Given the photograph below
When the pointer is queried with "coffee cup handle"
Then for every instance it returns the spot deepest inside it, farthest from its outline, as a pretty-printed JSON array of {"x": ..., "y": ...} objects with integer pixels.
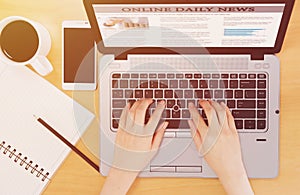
[{"x": 42, "y": 65}]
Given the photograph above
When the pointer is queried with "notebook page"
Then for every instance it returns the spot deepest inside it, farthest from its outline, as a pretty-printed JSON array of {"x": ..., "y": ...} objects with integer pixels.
[{"x": 24, "y": 94}]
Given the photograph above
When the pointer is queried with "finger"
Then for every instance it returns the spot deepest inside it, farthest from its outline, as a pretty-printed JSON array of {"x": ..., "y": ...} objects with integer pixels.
[
  {"x": 140, "y": 112},
  {"x": 156, "y": 116},
  {"x": 158, "y": 136},
  {"x": 123, "y": 117},
  {"x": 209, "y": 110},
  {"x": 230, "y": 119},
  {"x": 195, "y": 134},
  {"x": 197, "y": 119},
  {"x": 131, "y": 116},
  {"x": 221, "y": 114}
]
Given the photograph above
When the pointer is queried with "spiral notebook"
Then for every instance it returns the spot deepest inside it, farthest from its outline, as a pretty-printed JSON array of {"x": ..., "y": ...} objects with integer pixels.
[{"x": 29, "y": 153}]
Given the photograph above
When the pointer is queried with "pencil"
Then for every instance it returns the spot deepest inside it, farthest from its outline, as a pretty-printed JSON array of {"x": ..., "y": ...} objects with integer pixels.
[{"x": 64, "y": 140}]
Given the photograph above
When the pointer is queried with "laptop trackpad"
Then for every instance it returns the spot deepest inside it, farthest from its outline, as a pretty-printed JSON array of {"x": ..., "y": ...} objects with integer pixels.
[{"x": 177, "y": 152}]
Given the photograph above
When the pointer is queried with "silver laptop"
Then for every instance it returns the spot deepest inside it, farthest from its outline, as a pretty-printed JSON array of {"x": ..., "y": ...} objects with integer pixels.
[{"x": 181, "y": 52}]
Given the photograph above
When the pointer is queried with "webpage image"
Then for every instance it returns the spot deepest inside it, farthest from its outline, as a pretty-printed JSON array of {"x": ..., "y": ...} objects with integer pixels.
[{"x": 189, "y": 25}]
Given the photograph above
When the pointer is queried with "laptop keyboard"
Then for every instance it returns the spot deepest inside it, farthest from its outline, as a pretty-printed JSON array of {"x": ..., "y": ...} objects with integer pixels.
[{"x": 245, "y": 94}]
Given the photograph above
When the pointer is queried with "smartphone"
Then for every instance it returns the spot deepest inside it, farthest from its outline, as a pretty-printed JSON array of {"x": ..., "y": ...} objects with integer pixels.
[{"x": 79, "y": 56}]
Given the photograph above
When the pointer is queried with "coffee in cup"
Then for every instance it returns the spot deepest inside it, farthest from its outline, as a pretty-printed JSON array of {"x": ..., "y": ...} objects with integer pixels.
[{"x": 23, "y": 41}]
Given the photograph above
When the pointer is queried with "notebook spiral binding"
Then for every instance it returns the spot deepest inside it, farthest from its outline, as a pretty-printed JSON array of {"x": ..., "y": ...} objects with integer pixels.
[{"x": 11, "y": 153}]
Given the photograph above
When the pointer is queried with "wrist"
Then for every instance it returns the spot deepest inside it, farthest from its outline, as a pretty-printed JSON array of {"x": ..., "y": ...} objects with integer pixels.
[
  {"x": 236, "y": 182},
  {"x": 118, "y": 181}
]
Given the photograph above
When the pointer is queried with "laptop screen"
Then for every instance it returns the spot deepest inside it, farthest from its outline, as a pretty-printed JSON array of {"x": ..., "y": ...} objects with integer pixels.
[{"x": 189, "y": 25}]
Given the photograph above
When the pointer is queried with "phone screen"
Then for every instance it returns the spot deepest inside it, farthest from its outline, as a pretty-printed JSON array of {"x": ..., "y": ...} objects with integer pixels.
[{"x": 79, "y": 55}]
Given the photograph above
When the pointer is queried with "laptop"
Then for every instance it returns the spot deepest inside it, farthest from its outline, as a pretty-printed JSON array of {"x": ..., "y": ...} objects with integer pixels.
[{"x": 181, "y": 51}]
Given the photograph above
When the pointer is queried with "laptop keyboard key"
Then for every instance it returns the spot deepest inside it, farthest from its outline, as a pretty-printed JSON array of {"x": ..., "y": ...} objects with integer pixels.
[
  {"x": 223, "y": 84},
  {"x": 188, "y": 76},
  {"x": 115, "y": 123},
  {"x": 206, "y": 76},
  {"x": 178, "y": 93},
  {"x": 239, "y": 124},
  {"x": 197, "y": 76},
  {"x": 138, "y": 93},
  {"x": 218, "y": 94},
  {"x": 224, "y": 76},
  {"x": 161, "y": 76},
  {"x": 179, "y": 76},
  {"x": 154, "y": 84},
  {"x": 203, "y": 84},
  {"x": 170, "y": 76},
  {"x": 215, "y": 76},
  {"x": 183, "y": 84},
  {"x": 243, "y": 76},
  {"x": 234, "y": 76},
  {"x": 251, "y": 76},
  {"x": 176, "y": 114},
  {"x": 247, "y": 84},
  {"x": 178, "y": 124},
  {"x": 173, "y": 84},
  {"x": 123, "y": 84},
  {"x": 208, "y": 94},
  {"x": 152, "y": 76},
  {"x": 228, "y": 94},
  {"x": 114, "y": 84},
  {"x": 261, "y": 103},
  {"x": 158, "y": 94},
  {"x": 261, "y": 124},
  {"x": 119, "y": 103},
  {"x": 238, "y": 94},
  {"x": 250, "y": 94},
  {"x": 166, "y": 114},
  {"x": 116, "y": 113},
  {"x": 188, "y": 94},
  {"x": 244, "y": 113},
  {"x": 261, "y": 94},
  {"x": 233, "y": 84},
  {"x": 198, "y": 94},
  {"x": 261, "y": 84},
  {"x": 170, "y": 103},
  {"x": 262, "y": 76},
  {"x": 134, "y": 83},
  {"x": 250, "y": 124},
  {"x": 193, "y": 83},
  {"x": 117, "y": 94},
  {"x": 181, "y": 103},
  {"x": 186, "y": 114},
  {"x": 134, "y": 75},
  {"x": 163, "y": 84},
  {"x": 116, "y": 76},
  {"x": 246, "y": 104},
  {"x": 128, "y": 93},
  {"x": 261, "y": 114},
  {"x": 213, "y": 84},
  {"x": 231, "y": 103},
  {"x": 169, "y": 93},
  {"x": 148, "y": 94}
]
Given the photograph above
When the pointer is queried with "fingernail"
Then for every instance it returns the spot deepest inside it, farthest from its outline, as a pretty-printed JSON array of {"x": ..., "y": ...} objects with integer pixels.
[
  {"x": 191, "y": 104},
  {"x": 162, "y": 102},
  {"x": 165, "y": 125}
]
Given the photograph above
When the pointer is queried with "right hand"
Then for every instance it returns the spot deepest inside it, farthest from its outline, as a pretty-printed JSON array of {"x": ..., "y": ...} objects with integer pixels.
[{"x": 219, "y": 143}]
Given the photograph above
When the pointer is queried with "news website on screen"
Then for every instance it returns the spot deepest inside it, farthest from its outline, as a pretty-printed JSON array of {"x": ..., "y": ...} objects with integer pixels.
[{"x": 189, "y": 25}]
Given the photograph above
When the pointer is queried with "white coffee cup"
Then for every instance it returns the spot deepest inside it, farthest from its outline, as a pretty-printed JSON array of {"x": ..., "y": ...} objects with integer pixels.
[{"x": 38, "y": 61}]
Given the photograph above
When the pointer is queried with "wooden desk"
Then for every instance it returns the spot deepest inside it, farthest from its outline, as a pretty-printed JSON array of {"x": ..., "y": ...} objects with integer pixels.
[{"x": 76, "y": 177}]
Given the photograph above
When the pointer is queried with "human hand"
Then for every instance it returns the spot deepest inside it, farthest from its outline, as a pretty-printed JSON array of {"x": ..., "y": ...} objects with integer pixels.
[
  {"x": 137, "y": 143},
  {"x": 219, "y": 143}
]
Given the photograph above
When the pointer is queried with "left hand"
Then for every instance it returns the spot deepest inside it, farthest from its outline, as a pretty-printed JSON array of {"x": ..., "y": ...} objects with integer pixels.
[{"x": 136, "y": 143}]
